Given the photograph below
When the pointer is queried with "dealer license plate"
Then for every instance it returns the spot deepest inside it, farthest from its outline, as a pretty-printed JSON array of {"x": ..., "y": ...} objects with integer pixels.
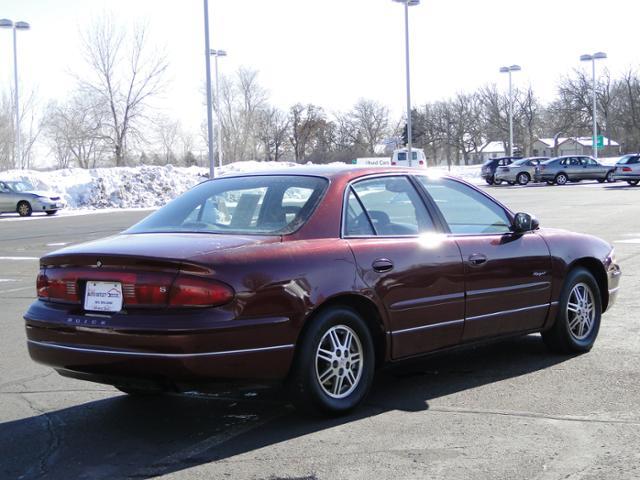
[{"x": 103, "y": 296}]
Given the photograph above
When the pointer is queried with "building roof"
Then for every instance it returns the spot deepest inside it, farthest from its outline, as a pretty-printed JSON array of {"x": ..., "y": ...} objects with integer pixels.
[
  {"x": 493, "y": 147},
  {"x": 584, "y": 141}
]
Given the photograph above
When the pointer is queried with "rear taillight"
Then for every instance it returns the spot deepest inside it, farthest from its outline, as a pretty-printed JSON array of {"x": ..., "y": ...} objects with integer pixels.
[
  {"x": 188, "y": 291},
  {"x": 421, "y": 162},
  {"x": 55, "y": 286},
  {"x": 626, "y": 169},
  {"x": 144, "y": 289},
  {"x": 394, "y": 163}
]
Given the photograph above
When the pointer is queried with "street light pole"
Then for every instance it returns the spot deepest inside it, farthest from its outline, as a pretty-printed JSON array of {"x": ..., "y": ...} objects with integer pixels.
[
  {"x": 208, "y": 87},
  {"x": 592, "y": 59},
  {"x": 6, "y": 23},
  {"x": 407, "y": 4},
  {"x": 216, "y": 54},
  {"x": 509, "y": 70}
]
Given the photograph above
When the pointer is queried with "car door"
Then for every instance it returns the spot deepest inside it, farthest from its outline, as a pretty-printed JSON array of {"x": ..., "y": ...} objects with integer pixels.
[
  {"x": 599, "y": 170},
  {"x": 507, "y": 275},
  {"x": 414, "y": 269},
  {"x": 5, "y": 198}
]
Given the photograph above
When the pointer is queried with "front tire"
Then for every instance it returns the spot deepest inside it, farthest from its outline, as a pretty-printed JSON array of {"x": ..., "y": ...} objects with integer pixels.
[
  {"x": 633, "y": 182},
  {"x": 51, "y": 212},
  {"x": 24, "y": 209},
  {"x": 578, "y": 319},
  {"x": 334, "y": 365},
  {"x": 489, "y": 180},
  {"x": 497, "y": 181},
  {"x": 523, "y": 178}
]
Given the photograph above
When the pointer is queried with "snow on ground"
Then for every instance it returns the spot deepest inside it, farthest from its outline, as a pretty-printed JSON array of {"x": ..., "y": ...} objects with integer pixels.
[{"x": 148, "y": 186}]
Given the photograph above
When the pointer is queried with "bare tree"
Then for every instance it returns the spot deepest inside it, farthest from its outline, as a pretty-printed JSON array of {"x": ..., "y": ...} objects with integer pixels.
[
  {"x": 272, "y": 130},
  {"x": 305, "y": 121},
  {"x": 124, "y": 73},
  {"x": 370, "y": 124},
  {"x": 74, "y": 131}
]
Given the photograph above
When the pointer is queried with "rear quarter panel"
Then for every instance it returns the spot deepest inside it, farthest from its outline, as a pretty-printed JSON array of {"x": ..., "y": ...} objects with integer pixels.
[{"x": 286, "y": 280}]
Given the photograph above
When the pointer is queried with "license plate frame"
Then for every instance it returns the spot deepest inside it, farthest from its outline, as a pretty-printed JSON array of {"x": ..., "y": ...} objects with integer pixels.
[{"x": 103, "y": 296}]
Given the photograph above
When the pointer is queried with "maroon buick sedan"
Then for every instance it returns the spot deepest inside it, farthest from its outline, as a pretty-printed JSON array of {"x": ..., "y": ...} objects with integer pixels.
[{"x": 314, "y": 277}]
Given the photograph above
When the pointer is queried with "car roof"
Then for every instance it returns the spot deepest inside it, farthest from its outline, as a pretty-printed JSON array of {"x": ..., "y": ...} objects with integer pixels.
[{"x": 332, "y": 171}]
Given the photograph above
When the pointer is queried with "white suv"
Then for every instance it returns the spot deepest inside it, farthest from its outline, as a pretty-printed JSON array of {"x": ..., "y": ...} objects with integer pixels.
[{"x": 400, "y": 158}]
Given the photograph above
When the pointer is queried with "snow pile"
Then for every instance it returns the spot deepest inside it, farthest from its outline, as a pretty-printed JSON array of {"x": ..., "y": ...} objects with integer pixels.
[
  {"x": 124, "y": 187},
  {"x": 150, "y": 186}
]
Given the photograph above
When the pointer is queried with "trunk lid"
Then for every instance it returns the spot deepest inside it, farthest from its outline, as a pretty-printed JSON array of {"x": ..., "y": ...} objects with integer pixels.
[{"x": 169, "y": 249}]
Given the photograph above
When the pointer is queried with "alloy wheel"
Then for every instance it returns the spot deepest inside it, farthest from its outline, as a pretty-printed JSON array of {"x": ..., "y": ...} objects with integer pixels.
[
  {"x": 339, "y": 361},
  {"x": 581, "y": 311},
  {"x": 561, "y": 179}
]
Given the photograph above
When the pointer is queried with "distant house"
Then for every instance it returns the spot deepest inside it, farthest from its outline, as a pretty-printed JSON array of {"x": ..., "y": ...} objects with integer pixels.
[
  {"x": 543, "y": 147},
  {"x": 489, "y": 150}
]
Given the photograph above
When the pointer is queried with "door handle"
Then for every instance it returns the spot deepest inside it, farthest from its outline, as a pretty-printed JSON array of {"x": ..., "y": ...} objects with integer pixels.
[
  {"x": 477, "y": 259},
  {"x": 382, "y": 265}
]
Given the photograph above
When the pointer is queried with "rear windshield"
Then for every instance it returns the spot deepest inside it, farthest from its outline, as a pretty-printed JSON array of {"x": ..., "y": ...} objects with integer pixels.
[
  {"x": 252, "y": 205},
  {"x": 628, "y": 159}
]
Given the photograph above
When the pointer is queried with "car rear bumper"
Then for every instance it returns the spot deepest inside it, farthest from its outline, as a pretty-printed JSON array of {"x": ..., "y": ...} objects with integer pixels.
[
  {"x": 626, "y": 176},
  {"x": 223, "y": 350}
]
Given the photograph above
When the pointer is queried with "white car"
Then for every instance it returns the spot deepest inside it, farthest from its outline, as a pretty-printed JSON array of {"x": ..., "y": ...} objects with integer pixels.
[
  {"x": 400, "y": 158},
  {"x": 20, "y": 197}
]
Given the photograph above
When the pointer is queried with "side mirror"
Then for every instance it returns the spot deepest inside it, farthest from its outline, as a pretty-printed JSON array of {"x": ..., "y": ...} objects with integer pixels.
[{"x": 523, "y": 222}]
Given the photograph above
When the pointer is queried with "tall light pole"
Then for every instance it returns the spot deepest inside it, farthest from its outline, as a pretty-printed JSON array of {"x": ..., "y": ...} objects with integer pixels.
[
  {"x": 509, "y": 70},
  {"x": 592, "y": 59},
  {"x": 216, "y": 54},
  {"x": 6, "y": 23},
  {"x": 207, "y": 56},
  {"x": 407, "y": 4}
]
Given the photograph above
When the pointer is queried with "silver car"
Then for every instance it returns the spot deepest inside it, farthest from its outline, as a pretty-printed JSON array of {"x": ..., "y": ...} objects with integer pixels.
[
  {"x": 521, "y": 171},
  {"x": 573, "y": 168},
  {"x": 628, "y": 169},
  {"x": 20, "y": 197}
]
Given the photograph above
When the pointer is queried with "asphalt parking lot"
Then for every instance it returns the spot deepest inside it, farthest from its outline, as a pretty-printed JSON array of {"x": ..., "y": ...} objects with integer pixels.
[{"x": 502, "y": 411}]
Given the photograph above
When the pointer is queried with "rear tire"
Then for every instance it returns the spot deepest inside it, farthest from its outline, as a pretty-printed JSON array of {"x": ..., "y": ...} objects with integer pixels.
[
  {"x": 489, "y": 181},
  {"x": 497, "y": 181},
  {"x": 578, "y": 319},
  {"x": 334, "y": 364},
  {"x": 523, "y": 178},
  {"x": 51, "y": 212},
  {"x": 24, "y": 209},
  {"x": 561, "y": 179},
  {"x": 633, "y": 182},
  {"x": 610, "y": 177}
]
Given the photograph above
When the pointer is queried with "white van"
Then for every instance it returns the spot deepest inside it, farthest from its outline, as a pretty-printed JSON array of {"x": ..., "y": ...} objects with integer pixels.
[{"x": 400, "y": 158}]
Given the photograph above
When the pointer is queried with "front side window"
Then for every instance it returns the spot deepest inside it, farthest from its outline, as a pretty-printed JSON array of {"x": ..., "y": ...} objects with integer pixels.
[
  {"x": 466, "y": 210},
  {"x": 392, "y": 207},
  {"x": 261, "y": 205}
]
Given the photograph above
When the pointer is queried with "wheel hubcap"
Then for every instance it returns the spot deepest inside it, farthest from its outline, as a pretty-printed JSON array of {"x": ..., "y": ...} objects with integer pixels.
[
  {"x": 581, "y": 311},
  {"x": 339, "y": 361},
  {"x": 23, "y": 209}
]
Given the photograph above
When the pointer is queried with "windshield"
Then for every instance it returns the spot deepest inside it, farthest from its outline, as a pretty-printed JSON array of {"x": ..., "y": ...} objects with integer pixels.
[
  {"x": 20, "y": 186},
  {"x": 624, "y": 160},
  {"x": 258, "y": 205}
]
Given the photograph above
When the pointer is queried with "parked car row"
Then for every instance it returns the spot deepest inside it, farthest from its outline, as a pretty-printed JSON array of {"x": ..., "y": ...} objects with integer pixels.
[
  {"x": 559, "y": 170},
  {"x": 20, "y": 197}
]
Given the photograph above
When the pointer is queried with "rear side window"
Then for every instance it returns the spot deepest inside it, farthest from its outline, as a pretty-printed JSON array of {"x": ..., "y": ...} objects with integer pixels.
[
  {"x": 262, "y": 205},
  {"x": 386, "y": 206},
  {"x": 465, "y": 210}
]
